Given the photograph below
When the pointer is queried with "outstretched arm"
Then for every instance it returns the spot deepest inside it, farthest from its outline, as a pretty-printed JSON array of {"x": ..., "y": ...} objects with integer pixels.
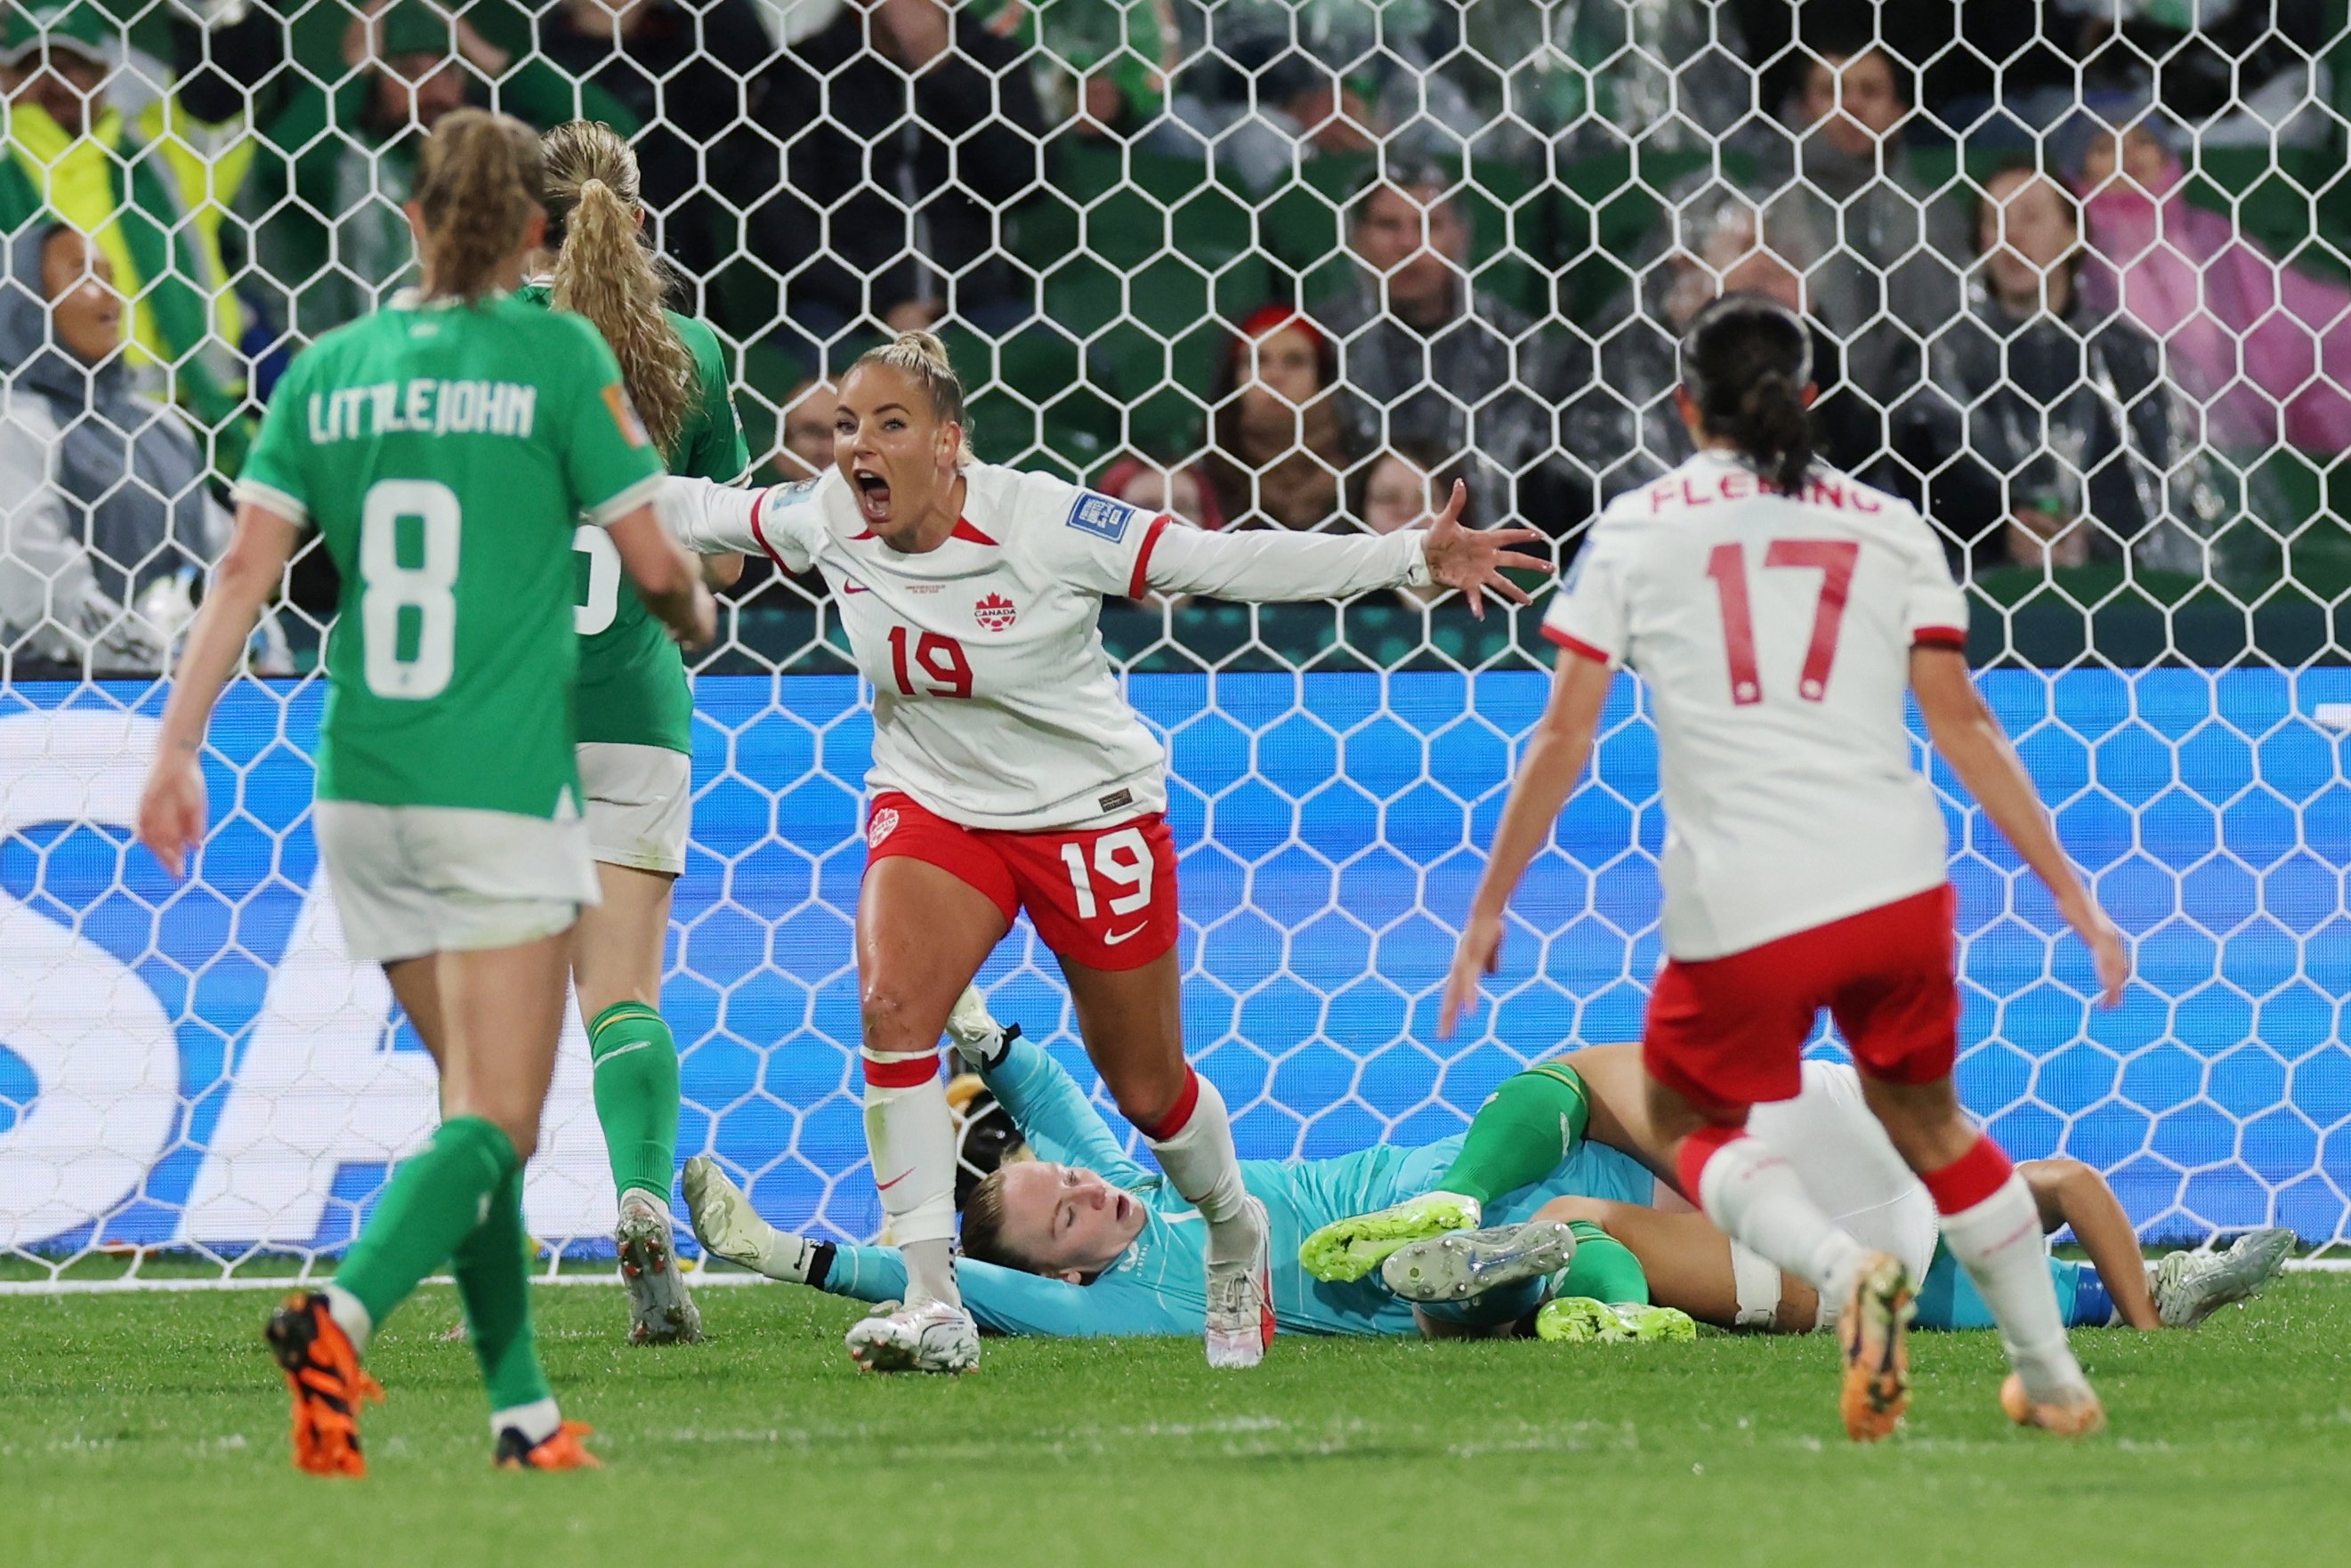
[
  {"x": 1267, "y": 566},
  {"x": 1054, "y": 1115},
  {"x": 1554, "y": 760},
  {"x": 2071, "y": 1193},
  {"x": 1972, "y": 740}
]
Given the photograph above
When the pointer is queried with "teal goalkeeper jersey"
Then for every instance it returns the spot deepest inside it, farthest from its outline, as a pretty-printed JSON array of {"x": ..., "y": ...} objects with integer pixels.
[{"x": 1160, "y": 1285}]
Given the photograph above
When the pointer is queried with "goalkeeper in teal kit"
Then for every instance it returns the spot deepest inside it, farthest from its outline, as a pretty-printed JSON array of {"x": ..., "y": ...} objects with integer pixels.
[{"x": 1089, "y": 1243}]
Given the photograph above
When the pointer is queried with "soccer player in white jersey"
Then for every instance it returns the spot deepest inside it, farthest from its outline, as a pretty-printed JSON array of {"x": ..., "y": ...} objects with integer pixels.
[
  {"x": 1009, "y": 772},
  {"x": 1779, "y": 611}
]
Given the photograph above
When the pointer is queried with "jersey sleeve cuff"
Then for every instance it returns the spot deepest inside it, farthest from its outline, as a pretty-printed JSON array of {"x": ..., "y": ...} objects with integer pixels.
[
  {"x": 1140, "y": 579},
  {"x": 1939, "y": 637},
  {"x": 270, "y": 498},
  {"x": 640, "y": 494},
  {"x": 1578, "y": 646}
]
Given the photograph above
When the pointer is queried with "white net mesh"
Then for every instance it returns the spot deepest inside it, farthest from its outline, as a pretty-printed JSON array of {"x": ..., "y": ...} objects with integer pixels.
[{"x": 2077, "y": 284}]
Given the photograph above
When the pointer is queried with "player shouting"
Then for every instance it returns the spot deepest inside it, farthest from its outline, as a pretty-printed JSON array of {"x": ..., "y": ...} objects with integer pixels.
[
  {"x": 1009, "y": 772},
  {"x": 446, "y": 447},
  {"x": 635, "y": 708},
  {"x": 1779, "y": 611}
]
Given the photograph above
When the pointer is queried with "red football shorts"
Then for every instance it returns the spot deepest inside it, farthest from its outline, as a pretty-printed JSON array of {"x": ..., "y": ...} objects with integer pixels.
[
  {"x": 1100, "y": 897},
  {"x": 1730, "y": 1031}
]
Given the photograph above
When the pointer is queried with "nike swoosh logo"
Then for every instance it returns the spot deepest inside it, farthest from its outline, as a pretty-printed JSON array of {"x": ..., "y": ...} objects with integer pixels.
[
  {"x": 854, "y": 588},
  {"x": 1116, "y": 938},
  {"x": 893, "y": 1181}
]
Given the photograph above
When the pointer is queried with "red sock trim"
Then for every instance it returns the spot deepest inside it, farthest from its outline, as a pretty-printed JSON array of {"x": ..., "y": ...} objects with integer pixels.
[
  {"x": 1690, "y": 1160},
  {"x": 1970, "y": 1179},
  {"x": 1179, "y": 1114},
  {"x": 899, "y": 1071}
]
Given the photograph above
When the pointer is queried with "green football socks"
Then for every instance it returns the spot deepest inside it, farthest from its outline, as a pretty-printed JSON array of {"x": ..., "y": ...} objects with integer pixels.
[
  {"x": 1604, "y": 1269},
  {"x": 493, "y": 1271},
  {"x": 1519, "y": 1137},
  {"x": 635, "y": 1063},
  {"x": 434, "y": 1201}
]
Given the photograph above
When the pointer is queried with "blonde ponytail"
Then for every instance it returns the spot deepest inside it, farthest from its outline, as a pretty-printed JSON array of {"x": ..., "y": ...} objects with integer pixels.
[
  {"x": 604, "y": 271},
  {"x": 477, "y": 183},
  {"x": 923, "y": 356}
]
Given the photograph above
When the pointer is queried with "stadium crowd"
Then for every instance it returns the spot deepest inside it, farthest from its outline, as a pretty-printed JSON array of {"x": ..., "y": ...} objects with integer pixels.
[{"x": 1263, "y": 263}]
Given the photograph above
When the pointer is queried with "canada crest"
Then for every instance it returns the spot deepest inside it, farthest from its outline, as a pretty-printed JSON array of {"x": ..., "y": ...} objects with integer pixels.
[
  {"x": 884, "y": 823},
  {"x": 995, "y": 613}
]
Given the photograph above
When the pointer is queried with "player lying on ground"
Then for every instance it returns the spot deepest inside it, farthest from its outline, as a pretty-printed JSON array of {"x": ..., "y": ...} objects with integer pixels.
[
  {"x": 1780, "y": 614},
  {"x": 635, "y": 708},
  {"x": 446, "y": 448},
  {"x": 1082, "y": 1241},
  {"x": 1010, "y": 771},
  {"x": 1847, "y": 1166}
]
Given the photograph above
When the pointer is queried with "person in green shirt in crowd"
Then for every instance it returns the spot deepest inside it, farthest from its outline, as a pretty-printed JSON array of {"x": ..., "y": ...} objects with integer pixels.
[
  {"x": 73, "y": 154},
  {"x": 446, "y": 448},
  {"x": 339, "y": 156},
  {"x": 635, "y": 708}
]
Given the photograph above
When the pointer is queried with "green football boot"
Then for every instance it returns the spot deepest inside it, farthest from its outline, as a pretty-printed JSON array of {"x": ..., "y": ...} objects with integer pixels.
[
  {"x": 1579, "y": 1320},
  {"x": 1347, "y": 1249}
]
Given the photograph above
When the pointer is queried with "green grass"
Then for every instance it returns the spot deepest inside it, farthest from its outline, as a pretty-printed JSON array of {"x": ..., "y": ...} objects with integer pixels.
[{"x": 151, "y": 1430}]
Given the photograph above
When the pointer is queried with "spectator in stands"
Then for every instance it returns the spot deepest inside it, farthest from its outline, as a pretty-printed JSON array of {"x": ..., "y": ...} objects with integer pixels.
[
  {"x": 344, "y": 151},
  {"x": 1277, "y": 447},
  {"x": 2263, "y": 347},
  {"x": 910, "y": 132},
  {"x": 1153, "y": 488},
  {"x": 805, "y": 448},
  {"x": 69, "y": 152},
  {"x": 690, "y": 75},
  {"x": 1622, "y": 431},
  {"x": 105, "y": 519},
  {"x": 2069, "y": 446},
  {"x": 1403, "y": 487},
  {"x": 1427, "y": 360},
  {"x": 1103, "y": 64},
  {"x": 1886, "y": 280}
]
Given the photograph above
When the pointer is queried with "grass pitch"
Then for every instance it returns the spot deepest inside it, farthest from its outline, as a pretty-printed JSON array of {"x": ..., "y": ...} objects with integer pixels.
[{"x": 151, "y": 1430}]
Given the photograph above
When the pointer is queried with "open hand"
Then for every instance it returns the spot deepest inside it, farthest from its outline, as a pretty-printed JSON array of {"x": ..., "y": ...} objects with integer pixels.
[
  {"x": 1472, "y": 559},
  {"x": 1480, "y": 953}
]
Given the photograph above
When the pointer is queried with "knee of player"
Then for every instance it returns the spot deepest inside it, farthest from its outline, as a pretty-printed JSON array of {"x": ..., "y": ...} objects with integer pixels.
[
  {"x": 886, "y": 1014},
  {"x": 1563, "y": 1210}
]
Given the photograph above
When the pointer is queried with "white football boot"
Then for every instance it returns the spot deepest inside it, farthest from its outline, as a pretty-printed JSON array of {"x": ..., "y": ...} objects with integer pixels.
[
  {"x": 1464, "y": 1264},
  {"x": 2191, "y": 1286},
  {"x": 920, "y": 1336},
  {"x": 1241, "y": 1301},
  {"x": 661, "y": 1310}
]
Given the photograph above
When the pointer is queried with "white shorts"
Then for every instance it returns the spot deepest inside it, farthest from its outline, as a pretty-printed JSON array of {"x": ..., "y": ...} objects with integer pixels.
[
  {"x": 413, "y": 879},
  {"x": 1849, "y": 1165},
  {"x": 639, "y": 804}
]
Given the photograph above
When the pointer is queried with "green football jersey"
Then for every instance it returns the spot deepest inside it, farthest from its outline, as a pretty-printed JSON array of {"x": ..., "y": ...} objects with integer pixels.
[
  {"x": 632, "y": 684},
  {"x": 447, "y": 453}
]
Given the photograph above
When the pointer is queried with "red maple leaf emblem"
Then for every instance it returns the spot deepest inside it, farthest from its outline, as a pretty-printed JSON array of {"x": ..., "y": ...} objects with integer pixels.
[{"x": 995, "y": 613}]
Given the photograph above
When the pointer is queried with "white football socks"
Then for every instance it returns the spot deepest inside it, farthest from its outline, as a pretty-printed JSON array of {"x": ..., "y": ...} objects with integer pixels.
[
  {"x": 350, "y": 1316},
  {"x": 910, "y": 1132},
  {"x": 1198, "y": 1158},
  {"x": 1998, "y": 1243},
  {"x": 1752, "y": 1192}
]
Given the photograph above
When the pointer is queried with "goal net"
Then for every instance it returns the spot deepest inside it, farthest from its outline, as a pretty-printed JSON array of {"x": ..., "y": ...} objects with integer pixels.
[{"x": 2078, "y": 281}]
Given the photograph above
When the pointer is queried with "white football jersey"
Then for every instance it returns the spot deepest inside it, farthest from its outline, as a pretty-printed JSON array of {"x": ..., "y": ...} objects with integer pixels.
[
  {"x": 1775, "y": 634},
  {"x": 994, "y": 703}
]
